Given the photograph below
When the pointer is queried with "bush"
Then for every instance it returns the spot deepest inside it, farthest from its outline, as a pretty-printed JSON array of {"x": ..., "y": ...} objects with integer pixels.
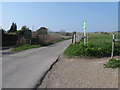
[
  {"x": 9, "y": 39},
  {"x": 47, "y": 39},
  {"x": 112, "y": 63}
]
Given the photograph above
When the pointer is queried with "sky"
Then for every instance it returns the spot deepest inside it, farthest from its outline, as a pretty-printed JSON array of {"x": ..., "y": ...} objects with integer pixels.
[{"x": 56, "y": 16}]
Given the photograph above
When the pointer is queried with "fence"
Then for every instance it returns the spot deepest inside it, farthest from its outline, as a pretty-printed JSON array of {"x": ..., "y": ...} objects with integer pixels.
[
  {"x": 76, "y": 38},
  {"x": 113, "y": 45}
]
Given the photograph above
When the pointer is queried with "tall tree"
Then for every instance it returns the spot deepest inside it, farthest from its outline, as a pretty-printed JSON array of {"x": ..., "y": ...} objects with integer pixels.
[
  {"x": 24, "y": 28},
  {"x": 13, "y": 28}
]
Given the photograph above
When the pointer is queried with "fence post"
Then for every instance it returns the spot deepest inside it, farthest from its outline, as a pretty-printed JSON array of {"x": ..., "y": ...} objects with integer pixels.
[
  {"x": 113, "y": 43},
  {"x": 72, "y": 38},
  {"x": 75, "y": 38},
  {"x": 87, "y": 38},
  {"x": 84, "y": 36}
]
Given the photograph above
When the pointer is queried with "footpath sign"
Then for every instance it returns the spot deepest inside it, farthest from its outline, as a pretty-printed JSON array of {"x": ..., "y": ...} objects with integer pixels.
[
  {"x": 84, "y": 24},
  {"x": 84, "y": 28}
]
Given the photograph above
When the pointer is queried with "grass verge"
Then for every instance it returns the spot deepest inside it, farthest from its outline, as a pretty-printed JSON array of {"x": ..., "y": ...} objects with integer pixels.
[
  {"x": 28, "y": 46},
  {"x": 99, "y": 45},
  {"x": 112, "y": 63},
  {"x": 25, "y": 47}
]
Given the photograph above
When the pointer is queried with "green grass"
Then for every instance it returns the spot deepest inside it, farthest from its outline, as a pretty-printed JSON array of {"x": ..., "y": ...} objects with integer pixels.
[
  {"x": 25, "y": 47},
  {"x": 99, "y": 45},
  {"x": 112, "y": 63}
]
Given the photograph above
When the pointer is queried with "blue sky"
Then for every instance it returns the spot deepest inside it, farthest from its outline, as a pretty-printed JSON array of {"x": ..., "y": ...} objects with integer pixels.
[{"x": 56, "y": 16}]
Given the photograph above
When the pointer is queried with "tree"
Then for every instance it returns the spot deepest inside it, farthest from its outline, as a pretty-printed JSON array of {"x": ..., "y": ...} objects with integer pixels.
[
  {"x": 13, "y": 28},
  {"x": 24, "y": 28},
  {"x": 2, "y": 31}
]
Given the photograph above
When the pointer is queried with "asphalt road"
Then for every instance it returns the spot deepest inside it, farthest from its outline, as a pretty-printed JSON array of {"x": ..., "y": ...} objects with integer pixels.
[{"x": 26, "y": 68}]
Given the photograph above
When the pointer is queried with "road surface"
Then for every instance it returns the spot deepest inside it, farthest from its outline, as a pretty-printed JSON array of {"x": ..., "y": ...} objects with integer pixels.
[{"x": 26, "y": 68}]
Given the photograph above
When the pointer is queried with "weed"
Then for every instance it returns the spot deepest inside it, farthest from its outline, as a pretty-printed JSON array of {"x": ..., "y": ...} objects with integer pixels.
[{"x": 112, "y": 63}]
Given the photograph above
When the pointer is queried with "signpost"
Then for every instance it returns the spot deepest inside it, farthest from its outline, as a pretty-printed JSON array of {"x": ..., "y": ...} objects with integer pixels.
[{"x": 84, "y": 28}]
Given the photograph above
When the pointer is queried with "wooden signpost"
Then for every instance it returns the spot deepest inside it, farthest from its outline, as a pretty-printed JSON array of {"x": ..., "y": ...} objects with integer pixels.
[
  {"x": 84, "y": 28},
  {"x": 76, "y": 37}
]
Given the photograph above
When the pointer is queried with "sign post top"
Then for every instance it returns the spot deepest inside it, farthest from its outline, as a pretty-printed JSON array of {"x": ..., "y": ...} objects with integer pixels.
[{"x": 84, "y": 24}]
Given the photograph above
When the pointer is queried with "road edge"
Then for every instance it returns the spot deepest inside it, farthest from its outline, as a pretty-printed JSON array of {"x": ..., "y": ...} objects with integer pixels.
[{"x": 46, "y": 72}]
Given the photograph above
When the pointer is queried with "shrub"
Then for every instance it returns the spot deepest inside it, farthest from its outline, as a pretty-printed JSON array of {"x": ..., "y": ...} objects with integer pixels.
[
  {"x": 9, "y": 39},
  {"x": 47, "y": 39}
]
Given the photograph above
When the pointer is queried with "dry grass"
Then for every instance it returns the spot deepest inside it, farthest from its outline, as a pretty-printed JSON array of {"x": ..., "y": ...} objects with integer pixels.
[{"x": 48, "y": 39}]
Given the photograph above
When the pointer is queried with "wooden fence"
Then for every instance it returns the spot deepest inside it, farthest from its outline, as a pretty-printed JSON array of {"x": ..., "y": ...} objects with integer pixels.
[{"x": 113, "y": 45}]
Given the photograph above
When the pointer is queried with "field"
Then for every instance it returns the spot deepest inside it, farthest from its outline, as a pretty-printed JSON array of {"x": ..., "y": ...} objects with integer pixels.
[{"x": 99, "y": 45}]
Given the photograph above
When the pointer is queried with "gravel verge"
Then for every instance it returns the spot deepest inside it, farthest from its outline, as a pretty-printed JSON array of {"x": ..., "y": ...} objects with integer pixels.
[{"x": 81, "y": 73}]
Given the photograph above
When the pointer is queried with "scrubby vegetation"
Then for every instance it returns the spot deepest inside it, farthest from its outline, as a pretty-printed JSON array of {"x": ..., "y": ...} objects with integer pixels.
[
  {"x": 112, "y": 63},
  {"x": 42, "y": 36},
  {"x": 99, "y": 45}
]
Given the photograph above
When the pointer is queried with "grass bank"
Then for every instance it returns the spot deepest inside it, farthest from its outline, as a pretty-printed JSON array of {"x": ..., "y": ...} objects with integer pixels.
[
  {"x": 25, "y": 47},
  {"x": 112, "y": 63},
  {"x": 99, "y": 45},
  {"x": 28, "y": 46}
]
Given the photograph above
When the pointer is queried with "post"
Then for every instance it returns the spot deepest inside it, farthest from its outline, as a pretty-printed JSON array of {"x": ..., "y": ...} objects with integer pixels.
[
  {"x": 75, "y": 38},
  {"x": 84, "y": 28},
  {"x": 113, "y": 43},
  {"x": 72, "y": 38},
  {"x": 87, "y": 37},
  {"x": 84, "y": 36}
]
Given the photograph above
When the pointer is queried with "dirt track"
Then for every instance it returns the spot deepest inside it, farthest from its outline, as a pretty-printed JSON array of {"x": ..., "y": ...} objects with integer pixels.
[{"x": 81, "y": 73}]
